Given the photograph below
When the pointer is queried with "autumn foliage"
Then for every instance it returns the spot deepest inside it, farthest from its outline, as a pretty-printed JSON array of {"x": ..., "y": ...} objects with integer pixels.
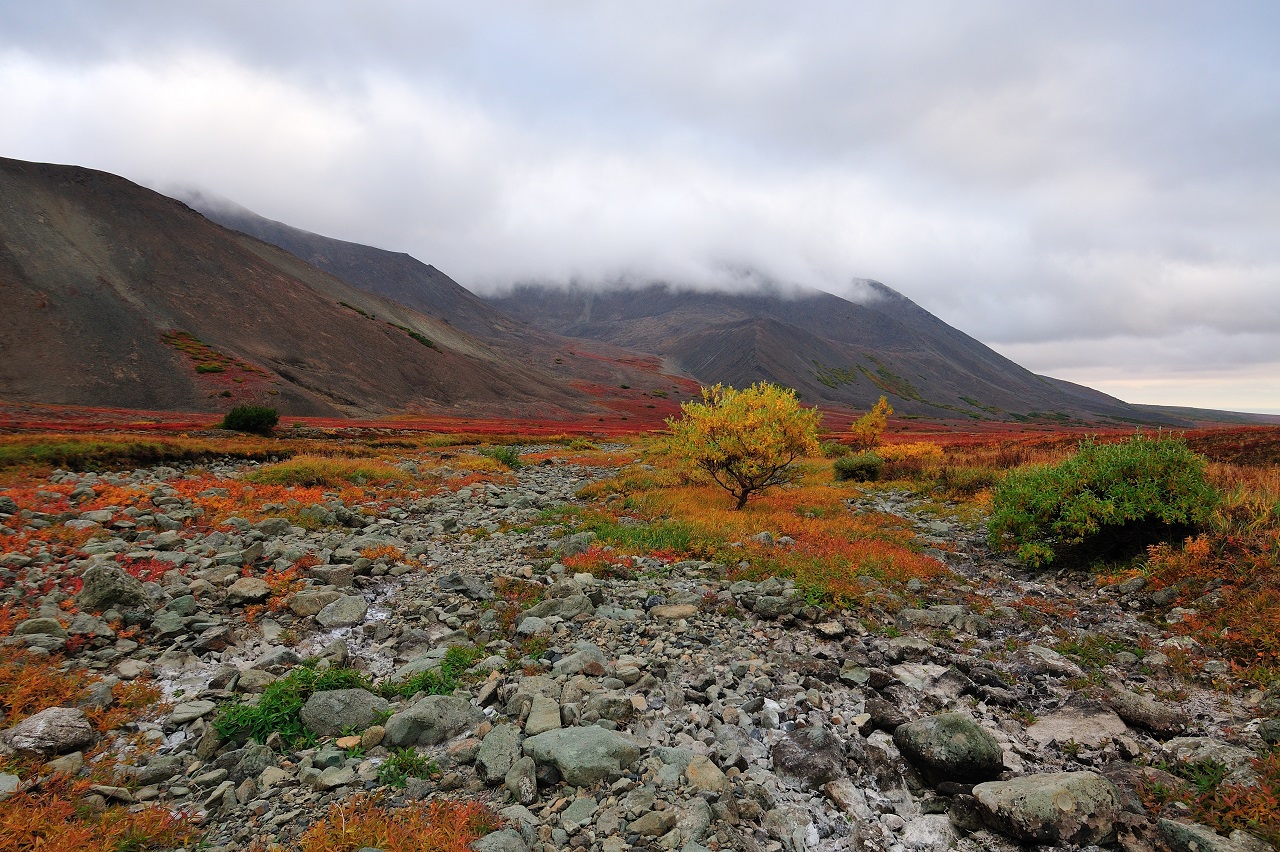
[
  {"x": 865, "y": 432},
  {"x": 744, "y": 441},
  {"x": 368, "y": 822}
]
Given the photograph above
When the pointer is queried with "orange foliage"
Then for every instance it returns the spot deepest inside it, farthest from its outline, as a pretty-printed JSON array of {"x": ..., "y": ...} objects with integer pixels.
[
  {"x": 389, "y": 552},
  {"x": 362, "y": 821},
  {"x": 29, "y": 684},
  {"x": 53, "y": 819}
]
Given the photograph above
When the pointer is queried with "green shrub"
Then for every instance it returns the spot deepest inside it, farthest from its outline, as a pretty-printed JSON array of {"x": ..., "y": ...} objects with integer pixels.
[
  {"x": 859, "y": 467},
  {"x": 255, "y": 419},
  {"x": 1103, "y": 498},
  {"x": 835, "y": 449},
  {"x": 278, "y": 709},
  {"x": 406, "y": 763},
  {"x": 509, "y": 456},
  {"x": 441, "y": 681}
]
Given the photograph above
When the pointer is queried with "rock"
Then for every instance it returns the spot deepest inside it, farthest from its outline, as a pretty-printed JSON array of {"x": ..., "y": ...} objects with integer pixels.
[
  {"x": 330, "y": 712},
  {"x": 521, "y": 780},
  {"x": 56, "y": 730},
  {"x": 950, "y": 747},
  {"x": 1055, "y": 808},
  {"x": 653, "y": 824},
  {"x": 430, "y": 721},
  {"x": 1193, "y": 837},
  {"x": 44, "y": 626},
  {"x": 1188, "y": 751},
  {"x": 544, "y": 715},
  {"x": 812, "y": 755},
  {"x": 791, "y": 825},
  {"x": 343, "y": 612},
  {"x": 506, "y": 840},
  {"x": 107, "y": 586},
  {"x": 772, "y": 606},
  {"x": 189, "y": 711},
  {"x": 466, "y": 585},
  {"x": 673, "y": 612},
  {"x": 583, "y": 755},
  {"x": 248, "y": 590},
  {"x": 1081, "y": 721},
  {"x": 567, "y": 608},
  {"x": 704, "y": 775},
  {"x": 498, "y": 753},
  {"x": 929, "y": 833},
  {"x": 8, "y": 785},
  {"x": 1163, "y": 720},
  {"x": 579, "y": 813},
  {"x": 308, "y": 602}
]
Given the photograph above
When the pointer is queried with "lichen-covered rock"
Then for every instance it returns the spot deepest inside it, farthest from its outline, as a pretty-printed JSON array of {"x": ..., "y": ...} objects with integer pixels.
[
  {"x": 331, "y": 711},
  {"x": 56, "y": 730},
  {"x": 1056, "y": 808},
  {"x": 432, "y": 720},
  {"x": 583, "y": 755},
  {"x": 950, "y": 747},
  {"x": 111, "y": 586}
]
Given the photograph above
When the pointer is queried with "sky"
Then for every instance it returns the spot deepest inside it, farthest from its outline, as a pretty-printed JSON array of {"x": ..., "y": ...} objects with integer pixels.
[{"x": 1090, "y": 188}]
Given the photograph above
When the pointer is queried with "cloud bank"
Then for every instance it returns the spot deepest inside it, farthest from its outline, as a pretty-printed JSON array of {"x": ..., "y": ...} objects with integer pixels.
[{"x": 1092, "y": 189}]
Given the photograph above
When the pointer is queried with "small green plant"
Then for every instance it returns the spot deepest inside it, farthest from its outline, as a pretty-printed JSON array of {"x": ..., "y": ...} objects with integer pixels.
[
  {"x": 582, "y": 444},
  {"x": 508, "y": 456},
  {"x": 278, "y": 709},
  {"x": 254, "y": 419},
  {"x": 441, "y": 681},
  {"x": 861, "y": 467},
  {"x": 403, "y": 764},
  {"x": 835, "y": 449},
  {"x": 1110, "y": 496}
]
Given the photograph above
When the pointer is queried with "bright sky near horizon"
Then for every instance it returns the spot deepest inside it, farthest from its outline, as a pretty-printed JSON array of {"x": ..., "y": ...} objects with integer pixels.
[{"x": 1091, "y": 188}]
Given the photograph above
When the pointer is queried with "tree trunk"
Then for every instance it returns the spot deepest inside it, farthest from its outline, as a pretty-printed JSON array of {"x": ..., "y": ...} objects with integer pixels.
[{"x": 742, "y": 498}]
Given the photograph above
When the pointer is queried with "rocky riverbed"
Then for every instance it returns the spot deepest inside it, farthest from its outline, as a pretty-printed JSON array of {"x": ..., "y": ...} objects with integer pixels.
[{"x": 662, "y": 707}]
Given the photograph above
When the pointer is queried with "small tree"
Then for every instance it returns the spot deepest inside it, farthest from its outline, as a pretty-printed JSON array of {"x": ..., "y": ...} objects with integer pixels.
[
  {"x": 867, "y": 429},
  {"x": 744, "y": 440}
]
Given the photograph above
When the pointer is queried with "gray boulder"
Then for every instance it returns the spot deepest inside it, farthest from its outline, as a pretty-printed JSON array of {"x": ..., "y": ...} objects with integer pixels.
[
  {"x": 813, "y": 755},
  {"x": 583, "y": 755},
  {"x": 498, "y": 753},
  {"x": 432, "y": 720},
  {"x": 470, "y": 587},
  {"x": 248, "y": 590},
  {"x": 1060, "y": 808},
  {"x": 311, "y": 601},
  {"x": 343, "y": 612},
  {"x": 329, "y": 712},
  {"x": 567, "y": 608},
  {"x": 56, "y": 730},
  {"x": 506, "y": 840},
  {"x": 107, "y": 586},
  {"x": 950, "y": 747}
]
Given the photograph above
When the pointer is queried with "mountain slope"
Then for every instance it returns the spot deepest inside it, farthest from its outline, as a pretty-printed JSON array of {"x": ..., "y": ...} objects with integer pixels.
[
  {"x": 119, "y": 296},
  {"x": 829, "y": 349}
]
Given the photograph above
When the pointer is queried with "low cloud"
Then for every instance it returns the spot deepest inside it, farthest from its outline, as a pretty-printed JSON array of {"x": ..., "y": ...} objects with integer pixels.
[{"x": 1091, "y": 189}]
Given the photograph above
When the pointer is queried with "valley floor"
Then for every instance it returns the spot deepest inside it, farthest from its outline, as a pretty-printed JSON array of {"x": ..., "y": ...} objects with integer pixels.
[{"x": 652, "y": 702}]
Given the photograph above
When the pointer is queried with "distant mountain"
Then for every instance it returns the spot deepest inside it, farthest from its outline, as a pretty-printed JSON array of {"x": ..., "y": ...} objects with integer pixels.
[
  {"x": 613, "y": 376},
  {"x": 119, "y": 296},
  {"x": 831, "y": 350}
]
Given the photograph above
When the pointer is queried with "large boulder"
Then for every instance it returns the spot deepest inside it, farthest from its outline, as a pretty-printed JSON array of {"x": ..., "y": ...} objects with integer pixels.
[
  {"x": 1060, "y": 808},
  {"x": 56, "y": 730},
  {"x": 343, "y": 612},
  {"x": 332, "y": 711},
  {"x": 583, "y": 755},
  {"x": 248, "y": 590},
  {"x": 950, "y": 747},
  {"x": 1160, "y": 718},
  {"x": 432, "y": 720},
  {"x": 567, "y": 608},
  {"x": 107, "y": 586},
  {"x": 812, "y": 755}
]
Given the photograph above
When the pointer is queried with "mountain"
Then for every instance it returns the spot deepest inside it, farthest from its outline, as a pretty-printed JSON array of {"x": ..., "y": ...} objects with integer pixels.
[
  {"x": 614, "y": 376},
  {"x": 119, "y": 296},
  {"x": 831, "y": 350}
]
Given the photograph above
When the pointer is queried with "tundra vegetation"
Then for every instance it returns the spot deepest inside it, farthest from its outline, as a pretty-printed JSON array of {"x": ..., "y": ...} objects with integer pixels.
[{"x": 1202, "y": 510}]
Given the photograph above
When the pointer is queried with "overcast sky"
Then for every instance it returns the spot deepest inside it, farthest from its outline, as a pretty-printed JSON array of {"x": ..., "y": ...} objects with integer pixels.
[{"x": 1093, "y": 189}]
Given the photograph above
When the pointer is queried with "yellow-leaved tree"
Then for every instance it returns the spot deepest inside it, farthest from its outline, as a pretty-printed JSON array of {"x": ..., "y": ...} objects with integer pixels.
[
  {"x": 744, "y": 440},
  {"x": 868, "y": 428}
]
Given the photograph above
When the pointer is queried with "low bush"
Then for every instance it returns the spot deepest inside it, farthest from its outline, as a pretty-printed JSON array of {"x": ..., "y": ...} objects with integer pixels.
[
  {"x": 834, "y": 449},
  {"x": 254, "y": 419},
  {"x": 365, "y": 821},
  {"x": 277, "y": 711},
  {"x": 859, "y": 467},
  {"x": 406, "y": 763},
  {"x": 1110, "y": 497},
  {"x": 441, "y": 681},
  {"x": 508, "y": 456},
  {"x": 327, "y": 472}
]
